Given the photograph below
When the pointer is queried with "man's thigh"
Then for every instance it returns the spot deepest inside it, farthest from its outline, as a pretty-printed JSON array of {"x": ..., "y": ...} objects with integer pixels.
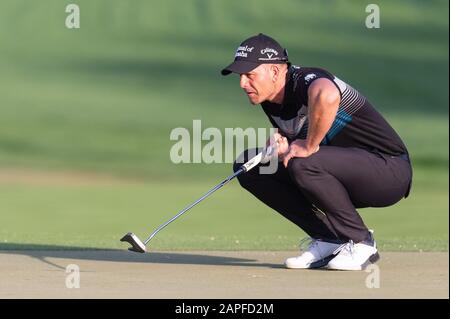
[{"x": 371, "y": 180}]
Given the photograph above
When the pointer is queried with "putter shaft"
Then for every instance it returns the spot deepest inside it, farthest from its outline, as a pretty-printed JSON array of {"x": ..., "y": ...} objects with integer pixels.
[{"x": 224, "y": 182}]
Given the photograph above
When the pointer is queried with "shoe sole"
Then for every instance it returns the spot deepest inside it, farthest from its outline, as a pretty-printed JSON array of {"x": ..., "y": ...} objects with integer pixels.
[
  {"x": 317, "y": 264},
  {"x": 372, "y": 259},
  {"x": 321, "y": 263}
]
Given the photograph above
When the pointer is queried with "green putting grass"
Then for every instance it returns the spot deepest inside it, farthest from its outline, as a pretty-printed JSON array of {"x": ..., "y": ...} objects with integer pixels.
[
  {"x": 104, "y": 99},
  {"x": 97, "y": 217}
]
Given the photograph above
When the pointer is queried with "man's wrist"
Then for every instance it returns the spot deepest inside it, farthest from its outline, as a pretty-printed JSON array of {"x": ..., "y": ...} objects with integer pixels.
[{"x": 310, "y": 148}]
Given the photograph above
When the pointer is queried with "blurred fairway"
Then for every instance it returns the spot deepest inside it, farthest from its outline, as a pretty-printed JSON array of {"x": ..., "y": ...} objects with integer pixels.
[{"x": 103, "y": 99}]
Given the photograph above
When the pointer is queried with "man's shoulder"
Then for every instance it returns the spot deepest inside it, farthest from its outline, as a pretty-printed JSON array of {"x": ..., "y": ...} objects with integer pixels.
[
  {"x": 301, "y": 78},
  {"x": 307, "y": 73}
]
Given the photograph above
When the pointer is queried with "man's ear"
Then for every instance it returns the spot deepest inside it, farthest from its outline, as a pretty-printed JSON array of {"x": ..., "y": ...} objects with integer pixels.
[{"x": 275, "y": 72}]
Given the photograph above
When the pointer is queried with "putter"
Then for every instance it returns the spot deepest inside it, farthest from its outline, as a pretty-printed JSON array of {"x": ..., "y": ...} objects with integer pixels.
[{"x": 263, "y": 157}]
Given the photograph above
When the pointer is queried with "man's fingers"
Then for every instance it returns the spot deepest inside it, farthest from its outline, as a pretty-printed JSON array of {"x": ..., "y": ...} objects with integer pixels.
[{"x": 287, "y": 158}]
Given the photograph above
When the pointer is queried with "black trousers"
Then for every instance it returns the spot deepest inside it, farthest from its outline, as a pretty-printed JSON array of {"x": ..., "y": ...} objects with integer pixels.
[{"x": 320, "y": 193}]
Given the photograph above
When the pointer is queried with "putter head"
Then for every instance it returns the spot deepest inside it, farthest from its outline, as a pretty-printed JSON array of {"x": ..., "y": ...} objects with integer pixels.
[{"x": 137, "y": 245}]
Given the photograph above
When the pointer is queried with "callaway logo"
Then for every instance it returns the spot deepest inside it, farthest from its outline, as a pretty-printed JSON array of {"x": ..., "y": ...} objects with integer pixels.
[
  {"x": 269, "y": 52},
  {"x": 242, "y": 51},
  {"x": 309, "y": 77}
]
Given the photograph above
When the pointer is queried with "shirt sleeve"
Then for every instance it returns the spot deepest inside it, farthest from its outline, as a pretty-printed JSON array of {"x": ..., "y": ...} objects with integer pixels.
[{"x": 312, "y": 74}]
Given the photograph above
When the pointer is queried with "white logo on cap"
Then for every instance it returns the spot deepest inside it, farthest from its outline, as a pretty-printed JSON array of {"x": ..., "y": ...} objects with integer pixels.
[
  {"x": 242, "y": 51},
  {"x": 269, "y": 52}
]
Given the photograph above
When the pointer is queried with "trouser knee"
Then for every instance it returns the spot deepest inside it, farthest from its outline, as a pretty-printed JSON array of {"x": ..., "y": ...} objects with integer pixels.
[{"x": 301, "y": 170}]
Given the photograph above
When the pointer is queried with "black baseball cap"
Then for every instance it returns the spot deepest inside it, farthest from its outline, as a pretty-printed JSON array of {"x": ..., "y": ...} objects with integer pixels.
[{"x": 254, "y": 51}]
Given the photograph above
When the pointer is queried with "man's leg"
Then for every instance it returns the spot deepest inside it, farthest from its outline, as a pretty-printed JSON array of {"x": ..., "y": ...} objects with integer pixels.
[
  {"x": 280, "y": 193},
  {"x": 339, "y": 180}
]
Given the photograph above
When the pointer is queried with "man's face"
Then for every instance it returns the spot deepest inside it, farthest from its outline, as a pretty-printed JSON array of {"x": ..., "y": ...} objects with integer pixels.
[{"x": 258, "y": 84}]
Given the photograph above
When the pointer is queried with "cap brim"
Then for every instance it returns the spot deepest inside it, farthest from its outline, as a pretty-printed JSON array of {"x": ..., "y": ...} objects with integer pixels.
[{"x": 239, "y": 67}]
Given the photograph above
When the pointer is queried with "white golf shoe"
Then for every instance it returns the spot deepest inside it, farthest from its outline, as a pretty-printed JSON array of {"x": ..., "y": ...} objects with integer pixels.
[
  {"x": 317, "y": 255},
  {"x": 353, "y": 256}
]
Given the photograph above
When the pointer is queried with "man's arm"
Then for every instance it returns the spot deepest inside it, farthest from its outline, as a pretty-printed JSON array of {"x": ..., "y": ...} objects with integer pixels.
[
  {"x": 323, "y": 104},
  {"x": 323, "y": 100}
]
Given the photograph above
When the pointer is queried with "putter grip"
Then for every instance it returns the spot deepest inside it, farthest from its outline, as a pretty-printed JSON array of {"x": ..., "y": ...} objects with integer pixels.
[
  {"x": 263, "y": 157},
  {"x": 253, "y": 162}
]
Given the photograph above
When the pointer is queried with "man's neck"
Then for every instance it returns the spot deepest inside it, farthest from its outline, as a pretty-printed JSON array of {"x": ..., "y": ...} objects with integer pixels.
[{"x": 279, "y": 97}]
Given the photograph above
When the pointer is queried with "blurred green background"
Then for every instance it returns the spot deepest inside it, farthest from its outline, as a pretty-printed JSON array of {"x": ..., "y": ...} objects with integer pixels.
[{"x": 85, "y": 116}]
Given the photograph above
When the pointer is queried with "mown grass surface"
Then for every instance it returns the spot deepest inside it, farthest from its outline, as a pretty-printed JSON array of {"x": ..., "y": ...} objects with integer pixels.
[{"x": 105, "y": 98}]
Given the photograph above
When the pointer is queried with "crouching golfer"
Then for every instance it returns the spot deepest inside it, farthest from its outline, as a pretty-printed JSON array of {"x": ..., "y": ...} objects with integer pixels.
[{"x": 336, "y": 154}]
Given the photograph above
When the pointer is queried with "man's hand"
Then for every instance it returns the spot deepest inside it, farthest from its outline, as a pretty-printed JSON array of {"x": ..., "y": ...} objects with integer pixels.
[
  {"x": 298, "y": 149},
  {"x": 281, "y": 143}
]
